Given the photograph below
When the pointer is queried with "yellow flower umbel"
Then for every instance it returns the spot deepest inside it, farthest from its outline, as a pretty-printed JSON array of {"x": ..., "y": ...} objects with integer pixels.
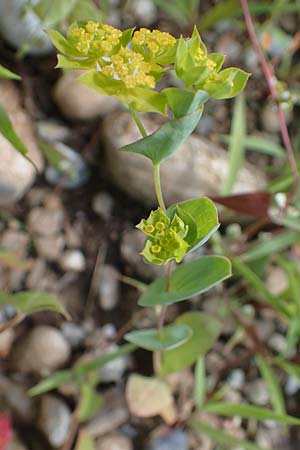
[
  {"x": 130, "y": 68},
  {"x": 156, "y": 46},
  {"x": 93, "y": 38},
  {"x": 165, "y": 238}
]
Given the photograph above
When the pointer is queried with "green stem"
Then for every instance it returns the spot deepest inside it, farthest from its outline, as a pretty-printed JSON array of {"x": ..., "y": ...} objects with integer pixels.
[
  {"x": 138, "y": 121},
  {"x": 157, "y": 185}
]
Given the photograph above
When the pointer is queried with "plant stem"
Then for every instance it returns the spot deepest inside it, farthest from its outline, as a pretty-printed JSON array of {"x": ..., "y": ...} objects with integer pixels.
[
  {"x": 138, "y": 121},
  {"x": 157, "y": 185},
  {"x": 271, "y": 82},
  {"x": 161, "y": 320}
]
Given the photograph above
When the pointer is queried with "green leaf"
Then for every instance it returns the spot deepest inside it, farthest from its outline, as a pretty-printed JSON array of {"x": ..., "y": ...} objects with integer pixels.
[
  {"x": 80, "y": 369},
  {"x": 205, "y": 332},
  {"x": 57, "y": 11},
  {"x": 261, "y": 145},
  {"x": 50, "y": 383},
  {"x": 187, "y": 281},
  {"x": 29, "y": 302},
  {"x": 89, "y": 404},
  {"x": 221, "y": 11},
  {"x": 85, "y": 442},
  {"x": 170, "y": 337},
  {"x": 182, "y": 102},
  {"x": 8, "y": 131},
  {"x": 62, "y": 44},
  {"x": 223, "y": 438},
  {"x": 145, "y": 100},
  {"x": 85, "y": 10},
  {"x": 274, "y": 388},
  {"x": 5, "y": 73},
  {"x": 230, "y": 83},
  {"x": 248, "y": 412},
  {"x": 204, "y": 214},
  {"x": 161, "y": 144},
  {"x": 270, "y": 247},
  {"x": 236, "y": 147}
]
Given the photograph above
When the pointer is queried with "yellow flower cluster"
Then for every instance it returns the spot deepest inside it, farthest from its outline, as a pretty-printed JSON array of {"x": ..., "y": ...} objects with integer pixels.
[
  {"x": 95, "y": 37},
  {"x": 131, "y": 68},
  {"x": 154, "y": 41}
]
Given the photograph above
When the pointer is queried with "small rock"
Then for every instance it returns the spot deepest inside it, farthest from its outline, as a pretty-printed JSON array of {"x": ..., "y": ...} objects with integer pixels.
[
  {"x": 71, "y": 171},
  {"x": 276, "y": 280},
  {"x": 73, "y": 260},
  {"x": 73, "y": 333},
  {"x": 42, "y": 351},
  {"x": 145, "y": 11},
  {"x": 6, "y": 339},
  {"x": 292, "y": 385},
  {"x": 132, "y": 244},
  {"x": 269, "y": 118},
  {"x": 21, "y": 26},
  {"x": 113, "y": 371},
  {"x": 52, "y": 131},
  {"x": 15, "y": 240},
  {"x": 236, "y": 379},
  {"x": 68, "y": 93},
  {"x": 174, "y": 440},
  {"x": 257, "y": 392},
  {"x": 54, "y": 420},
  {"x": 15, "y": 397},
  {"x": 198, "y": 168},
  {"x": 111, "y": 416},
  {"x": 16, "y": 173},
  {"x": 50, "y": 247},
  {"x": 108, "y": 287},
  {"x": 103, "y": 204},
  {"x": 45, "y": 221},
  {"x": 114, "y": 441},
  {"x": 278, "y": 343}
]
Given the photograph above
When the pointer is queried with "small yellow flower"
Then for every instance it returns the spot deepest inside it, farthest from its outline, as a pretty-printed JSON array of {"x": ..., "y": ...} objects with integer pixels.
[
  {"x": 155, "y": 41},
  {"x": 95, "y": 37}
]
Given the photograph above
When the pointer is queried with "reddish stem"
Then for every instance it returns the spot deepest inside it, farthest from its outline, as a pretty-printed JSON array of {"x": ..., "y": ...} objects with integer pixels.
[{"x": 271, "y": 82}]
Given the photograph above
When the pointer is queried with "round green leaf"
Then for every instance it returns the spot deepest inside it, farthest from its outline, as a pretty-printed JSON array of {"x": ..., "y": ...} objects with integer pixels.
[
  {"x": 187, "y": 281},
  {"x": 205, "y": 331},
  {"x": 170, "y": 337}
]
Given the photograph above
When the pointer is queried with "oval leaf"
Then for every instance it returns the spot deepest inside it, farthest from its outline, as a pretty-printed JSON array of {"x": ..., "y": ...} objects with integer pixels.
[
  {"x": 161, "y": 144},
  {"x": 171, "y": 336},
  {"x": 205, "y": 331},
  {"x": 187, "y": 281}
]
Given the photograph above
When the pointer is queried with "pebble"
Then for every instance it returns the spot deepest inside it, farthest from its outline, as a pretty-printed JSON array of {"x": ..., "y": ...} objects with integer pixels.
[
  {"x": 50, "y": 247},
  {"x": 257, "y": 392},
  {"x": 73, "y": 333},
  {"x": 15, "y": 397},
  {"x": 6, "y": 340},
  {"x": 108, "y": 287},
  {"x": 174, "y": 440},
  {"x": 198, "y": 168},
  {"x": 72, "y": 170},
  {"x": 145, "y": 11},
  {"x": 68, "y": 94},
  {"x": 16, "y": 173},
  {"x": 269, "y": 118},
  {"x": 113, "y": 371},
  {"x": 73, "y": 260},
  {"x": 112, "y": 415},
  {"x": 292, "y": 385},
  {"x": 20, "y": 26},
  {"x": 52, "y": 131},
  {"x": 54, "y": 420},
  {"x": 42, "y": 351},
  {"x": 236, "y": 379},
  {"x": 276, "y": 280},
  {"x": 45, "y": 222},
  {"x": 103, "y": 204},
  {"x": 278, "y": 343},
  {"x": 114, "y": 441}
]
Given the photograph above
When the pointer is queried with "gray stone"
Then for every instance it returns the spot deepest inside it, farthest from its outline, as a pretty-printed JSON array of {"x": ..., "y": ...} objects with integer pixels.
[
  {"x": 103, "y": 204},
  {"x": 114, "y": 441},
  {"x": 257, "y": 392},
  {"x": 108, "y": 287},
  {"x": 6, "y": 340},
  {"x": 54, "y": 420},
  {"x": 42, "y": 351},
  {"x": 174, "y": 440},
  {"x": 278, "y": 343},
  {"x": 16, "y": 173},
  {"x": 50, "y": 247},
  {"x": 113, "y": 371},
  {"x": 112, "y": 415},
  {"x": 78, "y": 102},
  {"x": 145, "y": 11},
  {"x": 52, "y": 131},
  {"x": 14, "y": 397},
  {"x": 73, "y": 333},
  {"x": 44, "y": 221},
  {"x": 19, "y": 28},
  {"x": 73, "y": 260},
  {"x": 198, "y": 168}
]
